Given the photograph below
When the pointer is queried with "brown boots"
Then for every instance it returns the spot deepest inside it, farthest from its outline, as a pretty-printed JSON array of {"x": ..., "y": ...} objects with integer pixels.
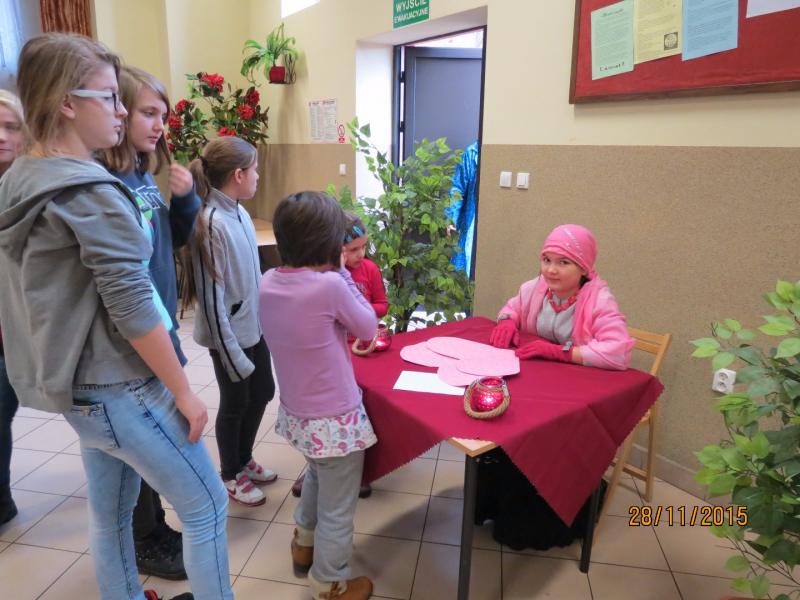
[
  {"x": 359, "y": 588},
  {"x": 302, "y": 553}
]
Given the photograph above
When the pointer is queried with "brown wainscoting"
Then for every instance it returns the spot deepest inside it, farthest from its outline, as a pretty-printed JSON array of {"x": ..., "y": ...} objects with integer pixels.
[
  {"x": 289, "y": 168},
  {"x": 686, "y": 235}
]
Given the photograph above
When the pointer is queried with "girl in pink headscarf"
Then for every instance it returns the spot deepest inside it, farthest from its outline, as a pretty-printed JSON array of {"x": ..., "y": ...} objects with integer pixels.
[
  {"x": 574, "y": 319},
  {"x": 568, "y": 307}
]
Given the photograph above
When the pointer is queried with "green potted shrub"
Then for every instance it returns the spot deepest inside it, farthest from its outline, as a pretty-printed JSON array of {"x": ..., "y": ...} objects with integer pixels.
[
  {"x": 277, "y": 47},
  {"x": 758, "y": 464},
  {"x": 408, "y": 230}
]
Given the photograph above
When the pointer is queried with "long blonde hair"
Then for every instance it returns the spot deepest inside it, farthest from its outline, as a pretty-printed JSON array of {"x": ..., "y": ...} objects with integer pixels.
[
  {"x": 217, "y": 164},
  {"x": 123, "y": 157},
  {"x": 50, "y": 66}
]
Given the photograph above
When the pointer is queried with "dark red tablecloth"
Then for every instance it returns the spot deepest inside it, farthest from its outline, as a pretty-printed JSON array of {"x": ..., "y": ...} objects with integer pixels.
[{"x": 562, "y": 428}]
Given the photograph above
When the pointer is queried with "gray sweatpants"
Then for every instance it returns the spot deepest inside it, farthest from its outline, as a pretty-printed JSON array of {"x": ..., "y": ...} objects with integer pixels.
[{"x": 327, "y": 506}]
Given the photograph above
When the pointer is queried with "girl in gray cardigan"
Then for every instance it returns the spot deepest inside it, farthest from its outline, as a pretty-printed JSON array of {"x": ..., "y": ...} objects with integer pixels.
[{"x": 224, "y": 265}]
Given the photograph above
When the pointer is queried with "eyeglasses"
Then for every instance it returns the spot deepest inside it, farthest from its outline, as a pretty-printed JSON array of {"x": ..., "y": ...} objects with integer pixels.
[{"x": 113, "y": 96}]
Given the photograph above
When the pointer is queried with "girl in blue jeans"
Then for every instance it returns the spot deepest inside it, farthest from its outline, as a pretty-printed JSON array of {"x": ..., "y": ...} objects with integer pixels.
[{"x": 89, "y": 332}]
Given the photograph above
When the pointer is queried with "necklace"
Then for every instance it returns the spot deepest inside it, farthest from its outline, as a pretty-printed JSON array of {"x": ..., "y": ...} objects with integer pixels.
[{"x": 560, "y": 307}]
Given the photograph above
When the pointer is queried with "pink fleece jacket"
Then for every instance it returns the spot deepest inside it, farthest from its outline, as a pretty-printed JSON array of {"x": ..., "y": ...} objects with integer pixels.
[{"x": 599, "y": 328}]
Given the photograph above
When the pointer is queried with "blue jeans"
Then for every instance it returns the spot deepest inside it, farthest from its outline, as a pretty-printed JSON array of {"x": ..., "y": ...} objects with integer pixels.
[
  {"x": 8, "y": 408},
  {"x": 327, "y": 507},
  {"x": 133, "y": 428}
]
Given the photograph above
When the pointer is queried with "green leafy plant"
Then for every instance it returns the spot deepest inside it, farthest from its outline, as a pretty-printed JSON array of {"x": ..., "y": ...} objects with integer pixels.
[
  {"x": 262, "y": 58},
  {"x": 237, "y": 112},
  {"x": 759, "y": 463},
  {"x": 408, "y": 229}
]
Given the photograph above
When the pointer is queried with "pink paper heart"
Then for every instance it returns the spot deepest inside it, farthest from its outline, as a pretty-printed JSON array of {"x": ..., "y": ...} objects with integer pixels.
[
  {"x": 451, "y": 375},
  {"x": 420, "y": 354},
  {"x": 494, "y": 363},
  {"x": 457, "y": 347}
]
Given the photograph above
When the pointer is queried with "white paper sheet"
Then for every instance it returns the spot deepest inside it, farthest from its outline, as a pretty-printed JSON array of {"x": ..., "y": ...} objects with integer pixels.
[
  {"x": 756, "y": 8},
  {"x": 417, "y": 381}
]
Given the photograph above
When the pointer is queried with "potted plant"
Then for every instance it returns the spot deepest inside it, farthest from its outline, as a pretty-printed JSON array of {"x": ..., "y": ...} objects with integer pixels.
[
  {"x": 408, "y": 230},
  {"x": 237, "y": 112},
  {"x": 276, "y": 47},
  {"x": 759, "y": 462}
]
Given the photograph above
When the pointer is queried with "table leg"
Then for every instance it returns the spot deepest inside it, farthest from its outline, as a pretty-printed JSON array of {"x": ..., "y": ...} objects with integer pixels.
[
  {"x": 467, "y": 525},
  {"x": 586, "y": 550}
]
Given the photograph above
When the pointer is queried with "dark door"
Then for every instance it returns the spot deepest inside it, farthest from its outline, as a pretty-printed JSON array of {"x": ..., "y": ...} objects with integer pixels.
[{"x": 442, "y": 96}]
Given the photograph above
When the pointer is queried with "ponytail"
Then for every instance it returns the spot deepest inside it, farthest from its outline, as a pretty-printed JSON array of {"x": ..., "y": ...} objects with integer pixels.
[{"x": 212, "y": 169}]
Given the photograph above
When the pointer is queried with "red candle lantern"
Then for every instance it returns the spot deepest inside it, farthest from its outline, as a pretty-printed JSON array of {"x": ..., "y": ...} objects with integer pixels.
[
  {"x": 379, "y": 343},
  {"x": 486, "y": 398}
]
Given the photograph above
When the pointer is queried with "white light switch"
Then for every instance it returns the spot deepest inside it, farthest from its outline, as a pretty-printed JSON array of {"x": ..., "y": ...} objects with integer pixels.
[
  {"x": 505, "y": 179},
  {"x": 342, "y": 169},
  {"x": 522, "y": 181}
]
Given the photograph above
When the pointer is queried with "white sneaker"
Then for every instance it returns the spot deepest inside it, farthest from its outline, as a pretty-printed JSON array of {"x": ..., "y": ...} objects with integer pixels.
[
  {"x": 257, "y": 473},
  {"x": 244, "y": 492}
]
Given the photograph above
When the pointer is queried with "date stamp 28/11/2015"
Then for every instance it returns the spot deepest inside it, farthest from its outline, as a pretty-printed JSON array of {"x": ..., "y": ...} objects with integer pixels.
[{"x": 687, "y": 516}]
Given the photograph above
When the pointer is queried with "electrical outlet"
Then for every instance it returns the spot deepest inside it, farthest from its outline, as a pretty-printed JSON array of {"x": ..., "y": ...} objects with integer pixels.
[
  {"x": 723, "y": 381},
  {"x": 342, "y": 169}
]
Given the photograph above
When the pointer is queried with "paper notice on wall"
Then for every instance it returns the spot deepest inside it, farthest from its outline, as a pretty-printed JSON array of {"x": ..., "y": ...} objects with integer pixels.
[
  {"x": 709, "y": 26},
  {"x": 323, "y": 122},
  {"x": 757, "y": 8},
  {"x": 612, "y": 39},
  {"x": 657, "y": 29}
]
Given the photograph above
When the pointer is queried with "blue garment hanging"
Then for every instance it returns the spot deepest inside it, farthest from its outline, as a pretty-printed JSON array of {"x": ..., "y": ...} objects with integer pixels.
[{"x": 462, "y": 211}]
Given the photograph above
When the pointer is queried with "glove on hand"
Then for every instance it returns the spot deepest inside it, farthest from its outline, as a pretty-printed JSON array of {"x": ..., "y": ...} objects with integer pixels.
[
  {"x": 504, "y": 334},
  {"x": 546, "y": 350}
]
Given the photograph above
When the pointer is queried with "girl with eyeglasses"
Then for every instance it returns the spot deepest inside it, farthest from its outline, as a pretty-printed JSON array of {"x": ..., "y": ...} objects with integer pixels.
[{"x": 89, "y": 332}]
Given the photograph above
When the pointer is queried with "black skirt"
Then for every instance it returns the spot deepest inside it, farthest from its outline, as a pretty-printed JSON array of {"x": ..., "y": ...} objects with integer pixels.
[{"x": 522, "y": 518}]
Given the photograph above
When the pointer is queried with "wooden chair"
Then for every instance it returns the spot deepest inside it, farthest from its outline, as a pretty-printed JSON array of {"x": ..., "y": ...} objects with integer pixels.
[{"x": 655, "y": 344}]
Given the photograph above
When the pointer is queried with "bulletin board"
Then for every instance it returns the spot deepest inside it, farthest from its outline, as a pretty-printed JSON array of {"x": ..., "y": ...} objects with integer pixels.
[{"x": 767, "y": 59}]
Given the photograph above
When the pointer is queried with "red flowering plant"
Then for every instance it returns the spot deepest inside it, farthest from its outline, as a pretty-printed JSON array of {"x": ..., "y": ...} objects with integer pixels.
[
  {"x": 186, "y": 131},
  {"x": 233, "y": 112}
]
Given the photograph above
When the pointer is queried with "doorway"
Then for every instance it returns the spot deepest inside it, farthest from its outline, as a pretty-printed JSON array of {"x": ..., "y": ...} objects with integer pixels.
[{"x": 439, "y": 93}]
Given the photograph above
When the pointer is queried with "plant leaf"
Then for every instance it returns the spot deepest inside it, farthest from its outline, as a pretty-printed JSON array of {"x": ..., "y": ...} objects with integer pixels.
[
  {"x": 733, "y": 325},
  {"x": 737, "y": 563},
  {"x": 759, "y": 586},
  {"x": 722, "y": 360},
  {"x": 788, "y": 347}
]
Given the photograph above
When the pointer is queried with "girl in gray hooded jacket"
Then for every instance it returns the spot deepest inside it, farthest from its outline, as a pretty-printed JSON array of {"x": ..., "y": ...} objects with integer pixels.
[{"x": 88, "y": 330}]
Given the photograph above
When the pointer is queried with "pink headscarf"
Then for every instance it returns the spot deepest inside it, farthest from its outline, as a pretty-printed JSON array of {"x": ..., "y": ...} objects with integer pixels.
[{"x": 576, "y": 243}]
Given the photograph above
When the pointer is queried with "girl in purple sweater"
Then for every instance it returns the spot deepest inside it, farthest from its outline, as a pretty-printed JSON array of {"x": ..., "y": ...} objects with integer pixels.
[{"x": 306, "y": 309}]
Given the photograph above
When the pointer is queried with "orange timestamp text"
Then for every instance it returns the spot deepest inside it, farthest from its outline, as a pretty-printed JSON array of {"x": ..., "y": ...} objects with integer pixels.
[{"x": 682, "y": 516}]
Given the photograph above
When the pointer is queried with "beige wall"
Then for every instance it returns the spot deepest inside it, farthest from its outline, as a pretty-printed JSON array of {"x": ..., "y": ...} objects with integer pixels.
[
  {"x": 692, "y": 199},
  {"x": 137, "y": 31}
]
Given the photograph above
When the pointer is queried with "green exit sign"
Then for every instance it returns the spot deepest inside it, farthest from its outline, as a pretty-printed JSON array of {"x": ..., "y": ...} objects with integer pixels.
[{"x": 410, "y": 11}]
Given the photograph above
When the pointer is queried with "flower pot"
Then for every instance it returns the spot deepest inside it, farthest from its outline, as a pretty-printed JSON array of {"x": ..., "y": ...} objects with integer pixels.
[{"x": 277, "y": 74}]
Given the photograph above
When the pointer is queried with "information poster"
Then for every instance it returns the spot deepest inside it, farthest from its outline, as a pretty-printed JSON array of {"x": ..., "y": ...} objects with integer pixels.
[
  {"x": 612, "y": 39},
  {"x": 709, "y": 26},
  {"x": 323, "y": 122},
  {"x": 657, "y": 29},
  {"x": 757, "y": 8}
]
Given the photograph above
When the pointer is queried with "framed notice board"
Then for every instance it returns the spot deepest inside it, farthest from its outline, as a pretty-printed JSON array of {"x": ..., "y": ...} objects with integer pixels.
[{"x": 767, "y": 59}]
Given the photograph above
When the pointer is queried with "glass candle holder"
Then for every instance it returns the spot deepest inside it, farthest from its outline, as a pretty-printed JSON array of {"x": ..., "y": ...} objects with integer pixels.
[
  {"x": 383, "y": 338},
  {"x": 486, "y": 395}
]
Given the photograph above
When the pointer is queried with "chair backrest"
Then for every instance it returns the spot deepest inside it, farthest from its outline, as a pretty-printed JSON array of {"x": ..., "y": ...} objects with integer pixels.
[{"x": 652, "y": 343}]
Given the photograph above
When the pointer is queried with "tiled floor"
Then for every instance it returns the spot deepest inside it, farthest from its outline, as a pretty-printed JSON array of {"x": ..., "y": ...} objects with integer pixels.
[{"x": 407, "y": 533}]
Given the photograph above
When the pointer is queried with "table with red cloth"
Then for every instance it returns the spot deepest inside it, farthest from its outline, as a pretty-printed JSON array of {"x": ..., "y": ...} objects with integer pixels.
[{"x": 562, "y": 427}]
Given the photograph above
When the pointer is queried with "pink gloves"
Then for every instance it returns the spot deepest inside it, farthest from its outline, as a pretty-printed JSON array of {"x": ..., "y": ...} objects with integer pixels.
[
  {"x": 504, "y": 334},
  {"x": 544, "y": 349}
]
